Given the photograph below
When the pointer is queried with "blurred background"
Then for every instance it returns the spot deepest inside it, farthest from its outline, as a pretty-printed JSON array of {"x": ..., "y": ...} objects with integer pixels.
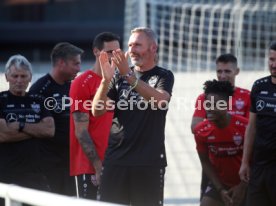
[
  {"x": 192, "y": 33},
  {"x": 33, "y": 27}
]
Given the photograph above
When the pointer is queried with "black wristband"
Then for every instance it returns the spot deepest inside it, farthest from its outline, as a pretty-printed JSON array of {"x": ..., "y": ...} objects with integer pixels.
[{"x": 21, "y": 126}]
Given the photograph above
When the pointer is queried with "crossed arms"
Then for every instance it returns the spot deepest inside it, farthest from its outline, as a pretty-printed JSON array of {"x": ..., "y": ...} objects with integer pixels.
[{"x": 9, "y": 132}]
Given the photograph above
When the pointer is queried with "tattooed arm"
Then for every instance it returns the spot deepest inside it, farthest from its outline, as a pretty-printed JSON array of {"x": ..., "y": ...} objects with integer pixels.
[{"x": 81, "y": 121}]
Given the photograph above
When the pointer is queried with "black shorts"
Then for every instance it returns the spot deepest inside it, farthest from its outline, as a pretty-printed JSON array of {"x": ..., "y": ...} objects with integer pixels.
[
  {"x": 85, "y": 187},
  {"x": 204, "y": 184},
  {"x": 135, "y": 185},
  {"x": 211, "y": 191},
  {"x": 261, "y": 188}
]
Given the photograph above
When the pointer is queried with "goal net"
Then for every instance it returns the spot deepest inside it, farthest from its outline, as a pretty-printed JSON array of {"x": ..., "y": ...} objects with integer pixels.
[{"x": 192, "y": 33}]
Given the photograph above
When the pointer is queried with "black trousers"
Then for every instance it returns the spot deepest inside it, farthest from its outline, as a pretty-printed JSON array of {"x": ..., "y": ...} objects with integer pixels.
[
  {"x": 135, "y": 185},
  {"x": 262, "y": 186}
]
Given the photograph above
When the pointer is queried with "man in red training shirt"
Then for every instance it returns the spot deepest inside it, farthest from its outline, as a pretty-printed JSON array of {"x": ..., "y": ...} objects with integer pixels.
[
  {"x": 88, "y": 134},
  {"x": 227, "y": 70},
  {"x": 219, "y": 143}
]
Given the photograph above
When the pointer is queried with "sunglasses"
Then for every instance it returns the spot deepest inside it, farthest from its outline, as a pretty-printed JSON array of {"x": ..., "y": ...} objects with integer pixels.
[{"x": 109, "y": 51}]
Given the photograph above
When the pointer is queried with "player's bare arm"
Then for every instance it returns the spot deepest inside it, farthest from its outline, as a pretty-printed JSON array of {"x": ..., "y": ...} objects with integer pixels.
[
  {"x": 238, "y": 192},
  {"x": 81, "y": 121},
  {"x": 209, "y": 171},
  {"x": 248, "y": 148},
  {"x": 43, "y": 129}
]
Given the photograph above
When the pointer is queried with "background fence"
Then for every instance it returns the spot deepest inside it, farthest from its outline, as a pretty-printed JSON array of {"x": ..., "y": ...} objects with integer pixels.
[{"x": 192, "y": 33}]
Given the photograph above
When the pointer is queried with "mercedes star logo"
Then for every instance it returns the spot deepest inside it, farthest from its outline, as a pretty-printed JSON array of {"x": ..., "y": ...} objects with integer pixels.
[
  {"x": 11, "y": 117},
  {"x": 58, "y": 108},
  {"x": 260, "y": 105}
]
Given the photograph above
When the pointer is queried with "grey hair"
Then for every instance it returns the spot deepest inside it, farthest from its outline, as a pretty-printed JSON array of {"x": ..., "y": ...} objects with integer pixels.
[
  {"x": 149, "y": 33},
  {"x": 20, "y": 62}
]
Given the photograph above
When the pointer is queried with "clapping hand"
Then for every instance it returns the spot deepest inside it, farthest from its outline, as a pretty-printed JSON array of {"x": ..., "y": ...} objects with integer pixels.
[
  {"x": 106, "y": 68},
  {"x": 120, "y": 59}
]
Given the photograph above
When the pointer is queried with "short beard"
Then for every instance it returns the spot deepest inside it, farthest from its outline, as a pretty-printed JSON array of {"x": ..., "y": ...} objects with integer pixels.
[
  {"x": 136, "y": 63},
  {"x": 273, "y": 75}
]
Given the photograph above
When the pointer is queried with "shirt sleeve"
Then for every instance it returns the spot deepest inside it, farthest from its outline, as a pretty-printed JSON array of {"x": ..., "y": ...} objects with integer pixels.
[
  {"x": 36, "y": 87},
  {"x": 253, "y": 98},
  {"x": 166, "y": 82},
  {"x": 81, "y": 97},
  {"x": 199, "y": 109},
  {"x": 201, "y": 145}
]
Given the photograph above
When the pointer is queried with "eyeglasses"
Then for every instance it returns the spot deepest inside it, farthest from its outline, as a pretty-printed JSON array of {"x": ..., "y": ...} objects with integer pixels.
[{"x": 109, "y": 51}]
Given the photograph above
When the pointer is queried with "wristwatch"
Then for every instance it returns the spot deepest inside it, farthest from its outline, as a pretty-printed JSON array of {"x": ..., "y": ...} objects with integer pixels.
[
  {"x": 21, "y": 126},
  {"x": 129, "y": 74}
]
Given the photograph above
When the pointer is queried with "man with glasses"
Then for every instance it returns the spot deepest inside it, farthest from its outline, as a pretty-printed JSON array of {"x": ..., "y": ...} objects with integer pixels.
[{"x": 89, "y": 135}]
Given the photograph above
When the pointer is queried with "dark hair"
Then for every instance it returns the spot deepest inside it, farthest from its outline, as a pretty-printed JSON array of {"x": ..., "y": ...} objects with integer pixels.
[
  {"x": 64, "y": 50},
  {"x": 104, "y": 37},
  {"x": 222, "y": 88},
  {"x": 227, "y": 58},
  {"x": 272, "y": 46}
]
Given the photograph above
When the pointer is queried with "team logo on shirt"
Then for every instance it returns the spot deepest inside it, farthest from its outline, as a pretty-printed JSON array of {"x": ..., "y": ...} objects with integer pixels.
[
  {"x": 35, "y": 107},
  {"x": 239, "y": 104},
  {"x": 260, "y": 105},
  {"x": 58, "y": 107},
  {"x": 237, "y": 139},
  {"x": 11, "y": 117},
  {"x": 123, "y": 94},
  {"x": 152, "y": 81}
]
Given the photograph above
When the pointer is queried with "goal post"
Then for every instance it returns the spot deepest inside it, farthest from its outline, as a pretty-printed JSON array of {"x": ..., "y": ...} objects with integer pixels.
[{"x": 192, "y": 33}]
